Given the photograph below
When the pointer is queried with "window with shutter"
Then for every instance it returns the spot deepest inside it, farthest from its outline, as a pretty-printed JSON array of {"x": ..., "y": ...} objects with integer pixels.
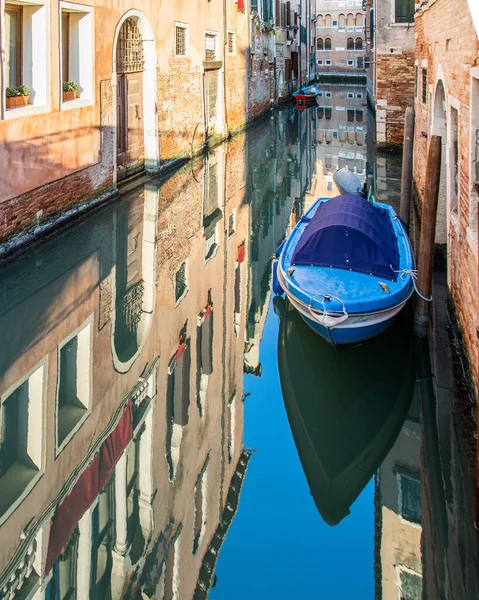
[{"x": 404, "y": 11}]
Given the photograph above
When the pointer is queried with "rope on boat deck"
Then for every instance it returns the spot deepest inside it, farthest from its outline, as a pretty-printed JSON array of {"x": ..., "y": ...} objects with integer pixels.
[{"x": 413, "y": 273}]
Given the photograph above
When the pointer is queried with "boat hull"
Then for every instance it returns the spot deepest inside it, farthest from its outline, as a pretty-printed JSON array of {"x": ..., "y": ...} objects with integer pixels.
[{"x": 357, "y": 328}]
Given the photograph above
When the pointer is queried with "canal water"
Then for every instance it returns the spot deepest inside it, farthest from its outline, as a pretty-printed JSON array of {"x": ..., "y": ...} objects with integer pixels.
[{"x": 169, "y": 429}]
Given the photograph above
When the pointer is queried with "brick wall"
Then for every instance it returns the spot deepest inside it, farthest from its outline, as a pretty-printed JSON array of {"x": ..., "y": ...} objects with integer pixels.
[
  {"x": 394, "y": 93},
  {"x": 447, "y": 46}
]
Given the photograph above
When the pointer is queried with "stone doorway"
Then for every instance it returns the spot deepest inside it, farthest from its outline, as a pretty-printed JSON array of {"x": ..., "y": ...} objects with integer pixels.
[{"x": 130, "y": 120}]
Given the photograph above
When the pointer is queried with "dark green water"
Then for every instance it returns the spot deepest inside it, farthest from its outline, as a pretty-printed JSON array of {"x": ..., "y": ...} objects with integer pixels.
[{"x": 169, "y": 430}]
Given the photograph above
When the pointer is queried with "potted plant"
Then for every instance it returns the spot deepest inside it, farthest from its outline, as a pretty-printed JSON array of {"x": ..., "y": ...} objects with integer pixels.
[
  {"x": 70, "y": 90},
  {"x": 17, "y": 96}
]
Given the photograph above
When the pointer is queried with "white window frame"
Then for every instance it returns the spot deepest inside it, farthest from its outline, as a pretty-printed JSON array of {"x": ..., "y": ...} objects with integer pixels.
[
  {"x": 328, "y": 62},
  {"x": 82, "y": 36},
  {"x": 36, "y": 379},
  {"x": 393, "y": 17},
  {"x": 184, "y": 26},
  {"x": 35, "y": 59},
  {"x": 233, "y": 233},
  {"x": 350, "y": 63},
  {"x": 84, "y": 378},
  {"x": 216, "y": 36}
]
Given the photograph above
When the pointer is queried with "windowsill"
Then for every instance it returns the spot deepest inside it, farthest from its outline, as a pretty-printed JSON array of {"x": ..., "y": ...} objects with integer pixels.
[
  {"x": 77, "y": 103},
  {"x": 402, "y": 24},
  {"x": 24, "y": 111},
  {"x": 16, "y": 484},
  {"x": 472, "y": 240},
  {"x": 69, "y": 419}
]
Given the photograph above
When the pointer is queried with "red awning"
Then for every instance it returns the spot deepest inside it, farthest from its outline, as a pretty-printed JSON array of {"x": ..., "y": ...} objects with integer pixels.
[
  {"x": 241, "y": 253},
  {"x": 241, "y": 5},
  {"x": 90, "y": 483}
]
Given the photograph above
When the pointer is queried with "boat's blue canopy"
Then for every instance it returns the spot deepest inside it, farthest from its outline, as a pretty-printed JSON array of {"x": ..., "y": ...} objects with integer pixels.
[{"x": 347, "y": 232}]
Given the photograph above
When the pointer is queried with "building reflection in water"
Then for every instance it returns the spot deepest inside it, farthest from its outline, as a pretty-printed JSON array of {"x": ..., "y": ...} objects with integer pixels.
[{"x": 121, "y": 457}]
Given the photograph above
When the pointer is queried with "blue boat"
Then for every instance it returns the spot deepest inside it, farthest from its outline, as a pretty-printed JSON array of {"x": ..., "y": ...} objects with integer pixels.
[
  {"x": 305, "y": 94},
  {"x": 347, "y": 267}
]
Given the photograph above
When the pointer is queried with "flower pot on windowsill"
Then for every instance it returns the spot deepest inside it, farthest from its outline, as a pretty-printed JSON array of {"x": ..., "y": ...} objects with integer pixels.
[
  {"x": 67, "y": 96},
  {"x": 14, "y": 101}
]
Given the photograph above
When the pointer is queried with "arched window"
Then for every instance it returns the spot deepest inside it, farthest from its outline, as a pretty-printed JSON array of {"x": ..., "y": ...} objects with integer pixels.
[
  {"x": 327, "y": 44},
  {"x": 319, "y": 22},
  {"x": 350, "y": 44},
  {"x": 359, "y": 43},
  {"x": 320, "y": 44},
  {"x": 350, "y": 21},
  {"x": 341, "y": 20},
  {"x": 359, "y": 20},
  {"x": 327, "y": 21}
]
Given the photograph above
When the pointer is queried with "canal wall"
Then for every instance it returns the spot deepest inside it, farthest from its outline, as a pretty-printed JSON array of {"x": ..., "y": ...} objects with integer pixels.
[{"x": 446, "y": 105}]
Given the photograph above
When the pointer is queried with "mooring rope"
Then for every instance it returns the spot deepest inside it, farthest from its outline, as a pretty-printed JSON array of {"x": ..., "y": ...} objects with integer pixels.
[{"x": 413, "y": 273}]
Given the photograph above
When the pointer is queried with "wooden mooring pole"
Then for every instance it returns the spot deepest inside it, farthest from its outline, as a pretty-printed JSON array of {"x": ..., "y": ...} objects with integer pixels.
[
  {"x": 407, "y": 166},
  {"x": 425, "y": 259}
]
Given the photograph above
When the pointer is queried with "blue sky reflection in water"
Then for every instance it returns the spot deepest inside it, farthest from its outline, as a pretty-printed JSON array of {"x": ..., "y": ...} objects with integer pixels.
[{"x": 278, "y": 545}]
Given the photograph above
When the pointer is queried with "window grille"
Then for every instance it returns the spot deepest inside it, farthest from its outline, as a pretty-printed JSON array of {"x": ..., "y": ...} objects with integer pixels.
[
  {"x": 180, "y": 282},
  {"x": 210, "y": 48},
  {"x": 129, "y": 50},
  {"x": 180, "y": 41},
  {"x": 231, "y": 42}
]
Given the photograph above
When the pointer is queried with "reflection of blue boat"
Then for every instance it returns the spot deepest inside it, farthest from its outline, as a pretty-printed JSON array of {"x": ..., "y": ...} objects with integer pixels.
[
  {"x": 346, "y": 267},
  {"x": 305, "y": 93},
  {"x": 345, "y": 409}
]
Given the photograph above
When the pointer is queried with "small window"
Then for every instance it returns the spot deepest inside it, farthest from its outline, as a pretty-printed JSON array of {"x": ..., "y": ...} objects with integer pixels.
[
  {"x": 74, "y": 358},
  {"x": 320, "y": 112},
  {"x": 180, "y": 40},
  {"x": 22, "y": 49},
  {"x": 359, "y": 96},
  {"x": 231, "y": 42},
  {"x": 320, "y": 62},
  {"x": 409, "y": 497},
  {"x": 210, "y": 47},
  {"x": 335, "y": 23},
  {"x": 231, "y": 224},
  {"x": 350, "y": 63},
  {"x": 328, "y": 94},
  {"x": 329, "y": 186},
  {"x": 424, "y": 87},
  {"x": 77, "y": 51},
  {"x": 21, "y": 438},
  {"x": 181, "y": 286},
  {"x": 404, "y": 11},
  {"x": 328, "y": 63},
  {"x": 359, "y": 116},
  {"x": 410, "y": 585},
  {"x": 350, "y": 95},
  {"x": 350, "y": 115}
]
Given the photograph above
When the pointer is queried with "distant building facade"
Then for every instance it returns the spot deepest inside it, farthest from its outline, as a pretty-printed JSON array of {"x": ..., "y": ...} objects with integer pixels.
[
  {"x": 340, "y": 37},
  {"x": 447, "y": 104},
  {"x": 390, "y": 65}
]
